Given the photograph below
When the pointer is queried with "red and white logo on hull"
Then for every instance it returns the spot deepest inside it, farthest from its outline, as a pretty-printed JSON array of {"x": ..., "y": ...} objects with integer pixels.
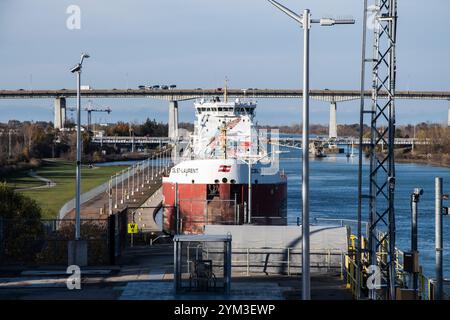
[{"x": 224, "y": 168}]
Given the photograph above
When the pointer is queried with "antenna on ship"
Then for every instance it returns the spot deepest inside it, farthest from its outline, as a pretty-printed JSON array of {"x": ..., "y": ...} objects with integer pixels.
[{"x": 225, "y": 93}]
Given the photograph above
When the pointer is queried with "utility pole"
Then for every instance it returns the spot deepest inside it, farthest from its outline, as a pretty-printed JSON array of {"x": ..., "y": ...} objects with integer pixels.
[
  {"x": 9, "y": 144},
  {"x": 381, "y": 176},
  {"x": 305, "y": 22}
]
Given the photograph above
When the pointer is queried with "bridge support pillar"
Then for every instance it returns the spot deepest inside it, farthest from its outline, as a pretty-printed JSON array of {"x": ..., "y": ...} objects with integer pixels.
[
  {"x": 448, "y": 115},
  {"x": 332, "y": 129},
  {"x": 173, "y": 119},
  {"x": 173, "y": 125},
  {"x": 60, "y": 113}
]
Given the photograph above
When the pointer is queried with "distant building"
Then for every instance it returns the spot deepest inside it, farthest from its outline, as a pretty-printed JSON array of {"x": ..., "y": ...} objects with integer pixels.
[{"x": 14, "y": 123}]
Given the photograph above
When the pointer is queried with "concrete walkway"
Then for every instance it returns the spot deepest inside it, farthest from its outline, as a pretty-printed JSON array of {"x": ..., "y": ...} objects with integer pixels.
[
  {"x": 146, "y": 273},
  {"x": 48, "y": 183},
  {"x": 98, "y": 207}
]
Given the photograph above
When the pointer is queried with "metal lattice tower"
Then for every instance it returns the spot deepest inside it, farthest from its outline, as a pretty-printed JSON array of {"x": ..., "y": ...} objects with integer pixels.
[{"x": 381, "y": 217}]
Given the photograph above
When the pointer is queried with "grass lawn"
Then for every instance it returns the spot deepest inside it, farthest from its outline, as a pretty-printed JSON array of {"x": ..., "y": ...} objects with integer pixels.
[
  {"x": 20, "y": 179},
  {"x": 63, "y": 174}
]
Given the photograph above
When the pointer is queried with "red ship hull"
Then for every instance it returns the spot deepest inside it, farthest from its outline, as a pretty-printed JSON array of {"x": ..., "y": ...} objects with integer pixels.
[{"x": 201, "y": 204}]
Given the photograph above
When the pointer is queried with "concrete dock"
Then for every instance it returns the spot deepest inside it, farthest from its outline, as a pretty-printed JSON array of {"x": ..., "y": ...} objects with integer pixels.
[{"x": 146, "y": 273}]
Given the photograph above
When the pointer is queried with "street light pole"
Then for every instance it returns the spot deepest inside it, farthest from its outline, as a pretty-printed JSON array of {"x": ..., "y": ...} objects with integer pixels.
[
  {"x": 78, "y": 168},
  {"x": 306, "y": 278},
  {"x": 305, "y": 22},
  {"x": 77, "y": 70},
  {"x": 438, "y": 239}
]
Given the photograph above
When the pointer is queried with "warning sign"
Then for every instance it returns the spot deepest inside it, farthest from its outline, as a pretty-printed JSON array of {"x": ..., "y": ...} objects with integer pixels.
[{"x": 132, "y": 228}]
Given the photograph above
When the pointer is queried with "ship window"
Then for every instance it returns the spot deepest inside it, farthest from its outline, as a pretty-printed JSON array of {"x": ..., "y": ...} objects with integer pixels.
[
  {"x": 219, "y": 109},
  {"x": 216, "y": 181},
  {"x": 193, "y": 181},
  {"x": 224, "y": 180},
  {"x": 232, "y": 181},
  {"x": 256, "y": 181},
  {"x": 208, "y": 109}
]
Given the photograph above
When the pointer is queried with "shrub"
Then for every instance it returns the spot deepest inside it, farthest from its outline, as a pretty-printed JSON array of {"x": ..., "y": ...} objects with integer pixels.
[{"x": 21, "y": 228}]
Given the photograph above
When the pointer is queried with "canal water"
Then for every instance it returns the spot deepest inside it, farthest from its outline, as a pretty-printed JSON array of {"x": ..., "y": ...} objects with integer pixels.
[{"x": 334, "y": 195}]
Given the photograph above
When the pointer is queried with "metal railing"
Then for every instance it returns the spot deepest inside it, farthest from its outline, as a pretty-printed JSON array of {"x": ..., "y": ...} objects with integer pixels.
[
  {"x": 343, "y": 222},
  {"x": 426, "y": 285},
  {"x": 286, "y": 260},
  {"x": 130, "y": 180}
]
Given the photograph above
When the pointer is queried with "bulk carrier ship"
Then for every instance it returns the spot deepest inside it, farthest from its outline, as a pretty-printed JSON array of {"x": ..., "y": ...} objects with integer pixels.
[{"x": 210, "y": 182}]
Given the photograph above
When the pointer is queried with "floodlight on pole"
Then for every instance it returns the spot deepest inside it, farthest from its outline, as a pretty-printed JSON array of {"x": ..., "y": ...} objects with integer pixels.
[
  {"x": 77, "y": 69},
  {"x": 305, "y": 22}
]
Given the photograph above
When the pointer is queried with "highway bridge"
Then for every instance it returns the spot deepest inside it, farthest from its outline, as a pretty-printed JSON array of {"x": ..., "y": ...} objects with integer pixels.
[
  {"x": 189, "y": 94},
  {"x": 175, "y": 95}
]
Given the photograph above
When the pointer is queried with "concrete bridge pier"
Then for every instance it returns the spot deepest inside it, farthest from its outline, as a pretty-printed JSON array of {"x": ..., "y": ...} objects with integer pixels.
[
  {"x": 332, "y": 129},
  {"x": 173, "y": 124},
  {"x": 60, "y": 112},
  {"x": 448, "y": 115}
]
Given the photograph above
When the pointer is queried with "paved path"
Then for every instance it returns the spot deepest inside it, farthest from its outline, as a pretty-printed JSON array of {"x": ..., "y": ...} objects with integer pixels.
[
  {"x": 98, "y": 207},
  {"x": 48, "y": 183}
]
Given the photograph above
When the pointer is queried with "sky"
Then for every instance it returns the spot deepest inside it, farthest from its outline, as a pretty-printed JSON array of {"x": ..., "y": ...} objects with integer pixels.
[{"x": 199, "y": 43}]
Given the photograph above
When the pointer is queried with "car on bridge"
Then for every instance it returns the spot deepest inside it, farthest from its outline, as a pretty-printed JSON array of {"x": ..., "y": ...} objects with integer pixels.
[
  {"x": 156, "y": 86},
  {"x": 164, "y": 87},
  {"x": 141, "y": 87},
  {"x": 172, "y": 86}
]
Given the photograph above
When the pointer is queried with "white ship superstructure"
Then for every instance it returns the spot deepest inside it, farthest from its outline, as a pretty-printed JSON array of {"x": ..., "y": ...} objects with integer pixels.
[{"x": 211, "y": 181}]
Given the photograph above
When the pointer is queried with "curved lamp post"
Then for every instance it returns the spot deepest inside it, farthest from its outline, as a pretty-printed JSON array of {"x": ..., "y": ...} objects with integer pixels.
[
  {"x": 77, "y": 69},
  {"x": 305, "y": 22}
]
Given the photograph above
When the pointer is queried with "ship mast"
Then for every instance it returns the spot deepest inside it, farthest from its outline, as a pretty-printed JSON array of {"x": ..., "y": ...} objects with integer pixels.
[{"x": 225, "y": 93}]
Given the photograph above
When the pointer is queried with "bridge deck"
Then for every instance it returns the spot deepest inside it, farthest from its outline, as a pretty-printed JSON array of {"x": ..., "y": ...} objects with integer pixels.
[{"x": 189, "y": 94}]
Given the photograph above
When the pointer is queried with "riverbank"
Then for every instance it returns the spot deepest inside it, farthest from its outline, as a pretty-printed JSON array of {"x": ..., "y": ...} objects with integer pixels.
[
  {"x": 437, "y": 160},
  {"x": 424, "y": 162}
]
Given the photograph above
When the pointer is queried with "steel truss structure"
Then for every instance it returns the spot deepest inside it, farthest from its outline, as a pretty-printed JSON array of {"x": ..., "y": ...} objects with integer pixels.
[{"x": 382, "y": 17}]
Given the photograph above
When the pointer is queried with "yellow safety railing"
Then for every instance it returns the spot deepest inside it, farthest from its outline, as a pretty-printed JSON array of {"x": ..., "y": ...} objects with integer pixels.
[{"x": 426, "y": 285}]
